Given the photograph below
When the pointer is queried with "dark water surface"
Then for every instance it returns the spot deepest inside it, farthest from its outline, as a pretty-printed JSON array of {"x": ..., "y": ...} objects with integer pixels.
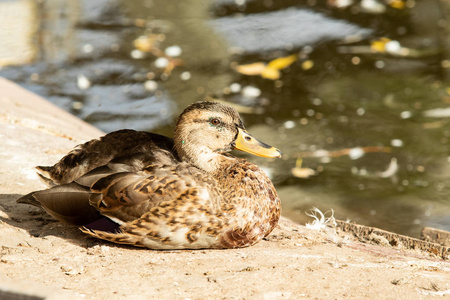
[{"x": 358, "y": 100}]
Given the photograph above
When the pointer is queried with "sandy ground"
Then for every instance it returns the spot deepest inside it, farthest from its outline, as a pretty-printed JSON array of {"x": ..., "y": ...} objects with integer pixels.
[{"x": 42, "y": 257}]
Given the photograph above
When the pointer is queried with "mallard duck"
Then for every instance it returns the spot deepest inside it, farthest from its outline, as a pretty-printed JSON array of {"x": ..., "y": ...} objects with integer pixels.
[{"x": 147, "y": 190}]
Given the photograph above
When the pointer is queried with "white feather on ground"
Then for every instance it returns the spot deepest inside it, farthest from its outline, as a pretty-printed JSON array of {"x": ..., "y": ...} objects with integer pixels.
[{"x": 320, "y": 220}]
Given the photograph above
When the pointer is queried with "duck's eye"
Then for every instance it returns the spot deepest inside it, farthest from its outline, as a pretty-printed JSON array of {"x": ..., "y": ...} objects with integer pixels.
[{"x": 214, "y": 121}]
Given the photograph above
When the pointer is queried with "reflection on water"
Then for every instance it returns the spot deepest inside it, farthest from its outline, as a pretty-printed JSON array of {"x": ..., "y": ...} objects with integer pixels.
[
  {"x": 354, "y": 95},
  {"x": 257, "y": 33}
]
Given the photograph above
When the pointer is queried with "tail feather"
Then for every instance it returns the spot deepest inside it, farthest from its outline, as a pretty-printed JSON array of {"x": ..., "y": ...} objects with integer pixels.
[
  {"x": 68, "y": 203},
  {"x": 44, "y": 173},
  {"x": 29, "y": 199}
]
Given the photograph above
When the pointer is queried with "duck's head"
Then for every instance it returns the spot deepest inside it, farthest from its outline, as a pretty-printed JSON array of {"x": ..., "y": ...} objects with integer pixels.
[{"x": 206, "y": 130}]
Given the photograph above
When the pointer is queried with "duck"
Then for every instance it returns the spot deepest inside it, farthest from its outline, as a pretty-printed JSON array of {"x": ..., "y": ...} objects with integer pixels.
[{"x": 147, "y": 190}]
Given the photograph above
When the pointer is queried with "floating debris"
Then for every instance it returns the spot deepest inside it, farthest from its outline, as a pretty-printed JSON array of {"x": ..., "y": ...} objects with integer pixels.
[
  {"x": 360, "y": 111},
  {"x": 372, "y": 6},
  {"x": 271, "y": 70},
  {"x": 433, "y": 125},
  {"x": 137, "y": 54},
  {"x": 235, "y": 87},
  {"x": 437, "y": 113},
  {"x": 396, "y": 143},
  {"x": 148, "y": 43},
  {"x": 151, "y": 44},
  {"x": 303, "y": 172},
  {"x": 167, "y": 64},
  {"x": 289, "y": 124},
  {"x": 77, "y": 105},
  {"x": 87, "y": 48},
  {"x": 161, "y": 62},
  {"x": 151, "y": 85},
  {"x": 355, "y": 153},
  {"x": 282, "y": 62},
  {"x": 393, "y": 47},
  {"x": 251, "y": 69},
  {"x": 83, "y": 82},
  {"x": 387, "y": 46},
  {"x": 348, "y": 151},
  {"x": 307, "y": 64},
  {"x": 391, "y": 170},
  {"x": 186, "y": 75},
  {"x": 251, "y": 92},
  {"x": 300, "y": 172},
  {"x": 405, "y": 114},
  {"x": 173, "y": 51},
  {"x": 34, "y": 76},
  {"x": 339, "y": 3},
  {"x": 398, "y": 4}
]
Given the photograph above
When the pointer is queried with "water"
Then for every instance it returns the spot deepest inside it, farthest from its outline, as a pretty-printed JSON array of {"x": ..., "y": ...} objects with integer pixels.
[{"x": 361, "y": 120}]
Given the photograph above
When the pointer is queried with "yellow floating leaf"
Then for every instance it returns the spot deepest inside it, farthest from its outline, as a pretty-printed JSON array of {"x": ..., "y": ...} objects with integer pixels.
[
  {"x": 251, "y": 69},
  {"x": 270, "y": 73},
  {"x": 298, "y": 162},
  {"x": 398, "y": 4},
  {"x": 145, "y": 43},
  {"x": 307, "y": 64},
  {"x": 282, "y": 62},
  {"x": 379, "y": 45}
]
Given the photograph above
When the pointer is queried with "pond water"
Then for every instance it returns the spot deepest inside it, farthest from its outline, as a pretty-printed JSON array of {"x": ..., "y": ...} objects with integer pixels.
[{"x": 355, "y": 93}]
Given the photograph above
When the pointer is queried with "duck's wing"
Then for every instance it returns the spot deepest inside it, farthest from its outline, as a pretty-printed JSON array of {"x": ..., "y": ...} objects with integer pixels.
[
  {"x": 129, "y": 195},
  {"x": 111, "y": 195},
  {"x": 123, "y": 146}
]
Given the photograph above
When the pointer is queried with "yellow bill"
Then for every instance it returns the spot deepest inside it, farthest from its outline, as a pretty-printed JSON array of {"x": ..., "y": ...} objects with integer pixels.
[{"x": 247, "y": 143}]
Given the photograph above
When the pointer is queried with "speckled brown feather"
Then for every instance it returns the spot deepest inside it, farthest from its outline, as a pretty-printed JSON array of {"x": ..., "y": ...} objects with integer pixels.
[
  {"x": 128, "y": 145},
  {"x": 165, "y": 194}
]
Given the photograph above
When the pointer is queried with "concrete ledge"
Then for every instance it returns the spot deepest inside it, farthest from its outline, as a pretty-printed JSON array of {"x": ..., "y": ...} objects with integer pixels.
[
  {"x": 33, "y": 132},
  {"x": 11, "y": 289},
  {"x": 42, "y": 258}
]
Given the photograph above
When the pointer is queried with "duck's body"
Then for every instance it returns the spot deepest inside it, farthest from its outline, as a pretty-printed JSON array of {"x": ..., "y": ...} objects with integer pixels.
[{"x": 148, "y": 190}]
